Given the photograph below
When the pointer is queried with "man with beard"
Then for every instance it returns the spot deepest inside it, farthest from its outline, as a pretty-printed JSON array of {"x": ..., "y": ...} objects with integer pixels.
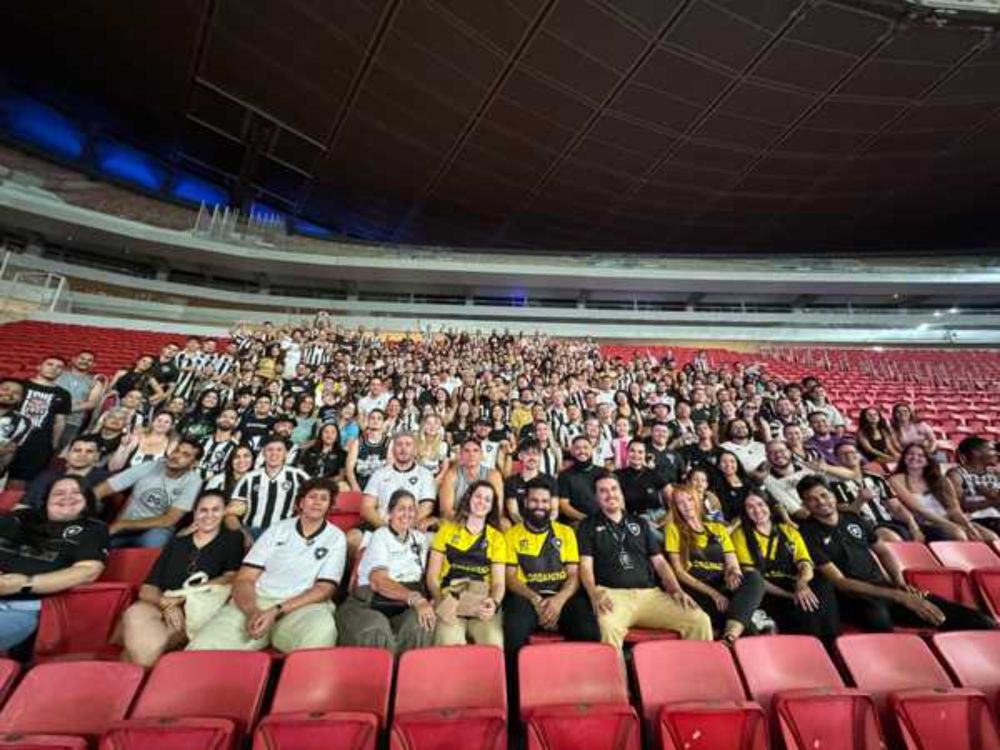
[
  {"x": 663, "y": 459},
  {"x": 46, "y": 405},
  {"x": 515, "y": 487},
  {"x": 543, "y": 587},
  {"x": 257, "y": 424},
  {"x": 82, "y": 457},
  {"x": 784, "y": 474},
  {"x": 576, "y": 484},
  {"x": 14, "y": 426},
  {"x": 219, "y": 444}
]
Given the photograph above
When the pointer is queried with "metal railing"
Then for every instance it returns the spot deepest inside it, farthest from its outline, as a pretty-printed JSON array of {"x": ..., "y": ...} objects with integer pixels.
[{"x": 31, "y": 290}]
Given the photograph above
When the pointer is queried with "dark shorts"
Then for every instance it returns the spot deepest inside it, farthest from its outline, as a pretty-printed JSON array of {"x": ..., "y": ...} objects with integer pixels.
[{"x": 899, "y": 528}]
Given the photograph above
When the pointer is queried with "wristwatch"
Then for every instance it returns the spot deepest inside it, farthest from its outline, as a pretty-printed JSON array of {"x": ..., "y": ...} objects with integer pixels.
[
  {"x": 280, "y": 609},
  {"x": 29, "y": 585}
]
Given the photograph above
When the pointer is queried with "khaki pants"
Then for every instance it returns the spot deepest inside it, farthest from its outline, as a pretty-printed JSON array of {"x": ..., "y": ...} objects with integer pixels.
[
  {"x": 311, "y": 626},
  {"x": 360, "y": 625},
  {"x": 650, "y": 608},
  {"x": 488, "y": 633}
]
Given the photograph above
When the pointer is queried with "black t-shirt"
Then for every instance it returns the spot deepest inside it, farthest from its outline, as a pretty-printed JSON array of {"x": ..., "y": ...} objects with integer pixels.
[
  {"x": 253, "y": 429},
  {"x": 667, "y": 463},
  {"x": 41, "y": 404},
  {"x": 298, "y": 386},
  {"x": 620, "y": 551},
  {"x": 730, "y": 498},
  {"x": 846, "y": 545},
  {"x": 515, "y": 487},
  {"x": 30, "y": 544},
  {"x": 105, "y": 446},
  {"x": 642, "y": 488},
  {"x": 695, "y": 456},
  {"x": 164, "y": 373},
  {"x": 576, "y": 484},
  {"x": 180, "y": 559},
  {"x": 38, "y": 490}
]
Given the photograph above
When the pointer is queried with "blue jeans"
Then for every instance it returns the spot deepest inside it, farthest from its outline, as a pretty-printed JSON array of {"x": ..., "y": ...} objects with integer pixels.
[
  {"x": 146, "y": 538},
  {"x": 18, "y": 620}
]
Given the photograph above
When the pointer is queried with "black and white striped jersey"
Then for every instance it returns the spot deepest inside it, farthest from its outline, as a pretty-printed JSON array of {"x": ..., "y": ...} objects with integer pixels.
[
  {"x": 213, "y": 459},
  {"x": 269, "y": 499}
]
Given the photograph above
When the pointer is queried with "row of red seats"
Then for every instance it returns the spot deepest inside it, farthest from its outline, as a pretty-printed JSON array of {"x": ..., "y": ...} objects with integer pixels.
[
  {"x": 573, "y": 696},
  {"x": 965, "y": 572}
]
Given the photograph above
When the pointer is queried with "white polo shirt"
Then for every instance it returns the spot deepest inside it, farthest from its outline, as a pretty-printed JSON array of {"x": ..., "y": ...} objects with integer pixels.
[
  {"x": 405, "y": 561},
  {"x": 292, "y": 563},
  {"x": 388, "y": 479}
]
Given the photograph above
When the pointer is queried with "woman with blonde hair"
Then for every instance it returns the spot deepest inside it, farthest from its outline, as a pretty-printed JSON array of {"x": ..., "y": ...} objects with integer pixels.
[
  {"x": 704, "y": 560},
  {"x": 146, "y": 443},
  {"x": 431, "y": 447}
]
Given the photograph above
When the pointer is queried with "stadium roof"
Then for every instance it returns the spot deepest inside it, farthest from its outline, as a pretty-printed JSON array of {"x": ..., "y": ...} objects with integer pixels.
[{"x": 792, "y": 125}]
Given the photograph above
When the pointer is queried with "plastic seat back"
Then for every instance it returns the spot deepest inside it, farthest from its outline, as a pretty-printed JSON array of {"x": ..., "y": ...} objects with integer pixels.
[
  {"x": 973, "y": 659},
  {"x": 948, "y": 583},
  {"x": 832, "y": 719},
  {"x": 450, "y": 696},
  {"x": 81, "y": 698},
  {"x": 777, "y": 663},
  {"x": 346, "y": 511},
  {"x": 10, "y": 670},
  {"x": 574, "y": 695},
  {"x": 81, "y": 620},
  {"x": 958, "y": 719},
  {"x": 987, "y": 582},
  {"x": 206, "y": 684},
  {"x": 965, "y": 556},
  {"x": 911, "y": 555},
  {"x": 130, "y": 565}
]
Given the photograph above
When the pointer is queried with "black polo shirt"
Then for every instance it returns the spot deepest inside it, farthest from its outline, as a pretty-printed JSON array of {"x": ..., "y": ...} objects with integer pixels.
[
  {"x": 576, "y": 484},
  {"x": 667, "y": 463},
  {"x": 642, "y": 489},
  {"x": 694, "y": 456},
  {"x": 846, "y": 544},
  {"x": 620, "y": 551},
  {"x": 516, "y": 487},
  {"x": 30, "y": 544}
]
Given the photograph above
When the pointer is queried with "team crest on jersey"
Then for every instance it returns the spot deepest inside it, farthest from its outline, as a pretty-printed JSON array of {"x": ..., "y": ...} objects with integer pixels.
[
  {"x": 523, "y": 544},
  {"x": 320, "y": 552},
  {"x": 71, "y": 531},
  {"x": 556, "y": 542},
  {"x": 286, "y": 486},
  {"x": 414, "y": 480},
  {"x": 856, "y": 531},
  {"x": 633, "y": 528}
]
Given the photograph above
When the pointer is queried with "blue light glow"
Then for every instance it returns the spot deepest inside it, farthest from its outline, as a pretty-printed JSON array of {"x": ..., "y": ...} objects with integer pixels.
[
  {"x": 309, "y": 229},
  {"x": 192, "y": 189},
  {"x": 129, "y": 165},
  {"x": 28, "y": 121}
]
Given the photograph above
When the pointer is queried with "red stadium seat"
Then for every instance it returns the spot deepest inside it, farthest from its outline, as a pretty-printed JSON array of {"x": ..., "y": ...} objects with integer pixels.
[
  {"x": 346, "y": 511},
  {"x": 945, "y": 720},
  {"x": 965, "y": 556},
  {"x": 951, "y": 584},
  {"x": 10, "y": 670},
  {"x": 987, "y": 583},
  {"x": 792, "y": 677},
  {"x": 79, "y": 622},
  {"x": 326, "y": 698},
  {"x": 911, "y": 555},
  {"x": 449, "y": 697},
  {"x": 67, "y": 703},
  {"x": 573, "y": 697},
  {"x": 707, "y": 707},
  {"x": 10, "y": 498},
  {"x": 973, "y": 658},
  {"x": 131, "y": 565},
  {"x": 642, "y": 635},
  {"x": 203, "y": 699}
]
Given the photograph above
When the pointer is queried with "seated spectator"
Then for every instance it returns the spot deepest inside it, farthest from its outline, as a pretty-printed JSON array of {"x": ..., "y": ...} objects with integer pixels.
[
  {"x": 784, "y": 474},
  {"x": 431, "y": 449},
  {"x": 875, "y": 437},
  {"x": 155, "y": 624},
  {"x": 977, "y": 483},
  {"x": 466, "y": 571},
  {"x": 627, "y": 579},
  {"x": 325, "y": 458},
  {"x": 824, "y": 441},
  {"x": 908, "y": 428},
  {"x": 369, "y": 452},
  {"x": 816, "y": 401},
  {"x": 932, "y": 499},
  {"x": 162, "y": 492},
  {"x": 219, "y": 444},
  {"x": 576, "y": 483},
  {"x": 644, "y": 490},
  {"x": 698, "y": 481},
  {"x": 389, "y": 608},
  {"x": 282, "y": 594},
  {"x": 14, "y": 426},
  {"x": 461, "y": 474},
  {"x": 870, "y": 497},
  {"x": 841, "y": 546},
  {"x": 81, "y": 461},
  {"x": 44, "y": 551},
  {"x": 799, "y": 603},
  {"x": 705, "y": 452},
  {"x": 702, "y": 556},
  {"x": 199, "y": 422},
  {"x": 751, "y": 453},
  {"x": 729, "y": 485},
  {"x": 795, "y": 440},
  {"x": 140, "y": 377},
  {"x": 665, "y": 459},
  {"x": 515, "y": 487},
  {"x": 238, "y": 464},
  {"x": 620, "y": 443},
  {"x": 268, "y": 494},
  {"x": 785, "y": 414},
  {"x": 146, "y": 444},
  {"x": 110, "y": 432}
]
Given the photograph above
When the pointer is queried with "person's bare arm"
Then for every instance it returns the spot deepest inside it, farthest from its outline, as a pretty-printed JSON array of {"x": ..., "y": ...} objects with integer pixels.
[
  {"x": 369, "y": 511},
  {"x": 58, "y": 427},
  {"x": 352, "y": 463},
  {"x": 85, "y": 571},
  {"x": 245, "y": 589},
  {"x": 446, "y": 494},
  {"x": 435, "y": 562},
  {"x": 569, "y": 512}
]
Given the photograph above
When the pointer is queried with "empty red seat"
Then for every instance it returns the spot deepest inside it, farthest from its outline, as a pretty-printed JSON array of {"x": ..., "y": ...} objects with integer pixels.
[
  {"x": 78, "y": 623},
  {"x": 911, "y": 555},
  {"x": 203, "y": 699},
  {"x": 965, "y": 556},
  {"x": 346, "y": 511},
  {"x": 692, "y": 696},
  {"x": 953, "y": 719},
  {"x": 64, "y": 704},
  {"x": 449, "y": 697},
  {"x": 792, "y": 677},
  {"x": 973, "y": 658},
  {"x": 326, "y": 698},
  {"x": 987, "y": 581},
  {"x": 130, "y": 565},
  {"x": 574, "y": 697}
]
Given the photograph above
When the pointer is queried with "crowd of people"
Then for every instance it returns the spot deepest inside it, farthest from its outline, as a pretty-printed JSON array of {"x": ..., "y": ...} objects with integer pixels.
[{"x": 510, "y": 484}]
